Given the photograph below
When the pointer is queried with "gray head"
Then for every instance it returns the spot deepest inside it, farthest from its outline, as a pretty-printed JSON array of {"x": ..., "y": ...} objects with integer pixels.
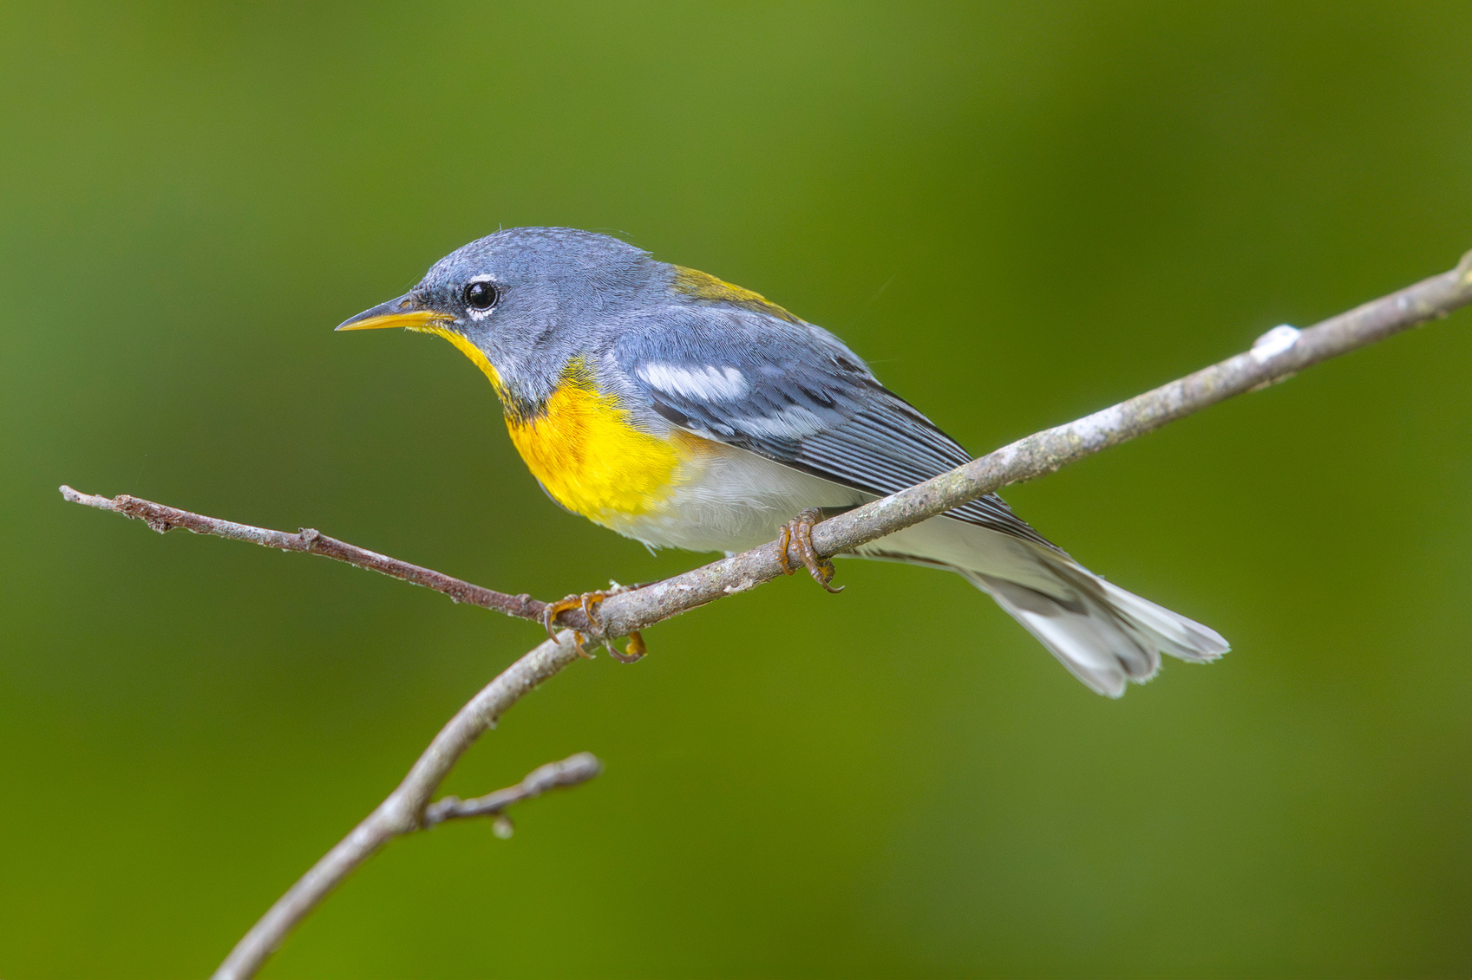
[
  {"x": 566, "y": 259},
  {"x": 523, "y": 301}
]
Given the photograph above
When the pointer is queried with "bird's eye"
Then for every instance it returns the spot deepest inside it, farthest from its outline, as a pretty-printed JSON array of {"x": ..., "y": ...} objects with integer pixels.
[{"x": 481, "y": 295}]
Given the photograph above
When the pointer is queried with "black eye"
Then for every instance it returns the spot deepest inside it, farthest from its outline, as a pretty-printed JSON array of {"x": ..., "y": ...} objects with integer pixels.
[{"x": 481, "y": 295}]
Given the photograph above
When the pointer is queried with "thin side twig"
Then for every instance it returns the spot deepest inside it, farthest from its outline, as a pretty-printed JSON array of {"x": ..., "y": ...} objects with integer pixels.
[
  {"x": 163, "y": 519},
  {"x": 571, "y": 771},
  {"x": 403, "y": 811}
]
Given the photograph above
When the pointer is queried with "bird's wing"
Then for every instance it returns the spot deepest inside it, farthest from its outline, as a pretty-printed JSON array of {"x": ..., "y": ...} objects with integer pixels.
[{"x": 793, "y": 393}]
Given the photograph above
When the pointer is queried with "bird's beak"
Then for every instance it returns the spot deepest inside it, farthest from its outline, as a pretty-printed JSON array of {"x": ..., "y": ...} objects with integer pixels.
[{"x": 405, "y": 311}]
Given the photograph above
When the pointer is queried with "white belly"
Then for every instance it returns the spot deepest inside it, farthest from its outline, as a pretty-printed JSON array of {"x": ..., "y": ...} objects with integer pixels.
[{"x": 732, "y": 500}]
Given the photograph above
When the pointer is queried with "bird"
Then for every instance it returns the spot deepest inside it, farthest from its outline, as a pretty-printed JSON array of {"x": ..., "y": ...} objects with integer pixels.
[{"x": 683, "y": 411}]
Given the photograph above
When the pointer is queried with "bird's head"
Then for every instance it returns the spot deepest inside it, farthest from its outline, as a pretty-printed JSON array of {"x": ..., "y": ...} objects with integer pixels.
[{"x": 522, "y": 302}]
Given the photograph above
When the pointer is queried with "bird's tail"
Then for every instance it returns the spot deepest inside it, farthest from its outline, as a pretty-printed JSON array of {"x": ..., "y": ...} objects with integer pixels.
[{"x": 1104, "y": 635}]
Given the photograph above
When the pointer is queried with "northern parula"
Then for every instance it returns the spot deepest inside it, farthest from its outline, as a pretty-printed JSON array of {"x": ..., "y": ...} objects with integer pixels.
[{"x": 683, "y": 411}]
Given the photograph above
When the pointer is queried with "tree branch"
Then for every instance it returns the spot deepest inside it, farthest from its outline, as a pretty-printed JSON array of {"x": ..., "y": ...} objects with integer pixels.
[
  {"x": 164, "y": 519},
  {"x": 404, "y": 810},
  {"x": 1277, "y": 355}
]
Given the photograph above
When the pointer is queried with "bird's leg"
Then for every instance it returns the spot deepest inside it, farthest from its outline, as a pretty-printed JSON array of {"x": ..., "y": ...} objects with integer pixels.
[
  {"x": 799, "y": 531},
  {"x": 588, "y": 602}
]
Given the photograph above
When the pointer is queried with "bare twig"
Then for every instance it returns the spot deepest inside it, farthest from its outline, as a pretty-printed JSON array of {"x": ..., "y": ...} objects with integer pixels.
[
  {"x": 571, "y": 771},
  {"x": 1276, "y": 356},
  {"x": 164, "y": 519},
  {"x": 403, "y": 811}
]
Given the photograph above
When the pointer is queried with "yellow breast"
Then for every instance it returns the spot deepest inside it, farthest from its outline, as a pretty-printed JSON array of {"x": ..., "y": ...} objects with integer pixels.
[
  {"x": 588, "y": 456},
  {"x": 582, "y": 449}
]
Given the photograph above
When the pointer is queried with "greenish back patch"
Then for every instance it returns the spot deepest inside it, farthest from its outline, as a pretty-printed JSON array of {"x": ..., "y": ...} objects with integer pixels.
[{"x": 703, "y": 285}]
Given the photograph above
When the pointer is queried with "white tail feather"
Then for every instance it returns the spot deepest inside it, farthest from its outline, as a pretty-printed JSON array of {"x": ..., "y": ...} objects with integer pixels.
[
  {"x": 1104, "y": 635},
  {"x": 1096, "y": 646},
  {"x": 1176, "y": 635}
]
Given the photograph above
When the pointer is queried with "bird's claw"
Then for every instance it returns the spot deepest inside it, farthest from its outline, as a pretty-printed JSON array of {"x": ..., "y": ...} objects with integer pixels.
[
  {"x": 633, "y": 652},
  {"x": 588, "y": 602},
  {"x": 799, "y": 531}
]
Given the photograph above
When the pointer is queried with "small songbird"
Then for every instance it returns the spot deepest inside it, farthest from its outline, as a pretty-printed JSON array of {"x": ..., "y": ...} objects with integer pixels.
[{"x": 685, "y": 412}]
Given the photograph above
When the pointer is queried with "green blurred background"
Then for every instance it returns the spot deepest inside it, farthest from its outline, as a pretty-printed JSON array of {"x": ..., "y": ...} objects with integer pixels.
[{"x": 1018, "y": 213}]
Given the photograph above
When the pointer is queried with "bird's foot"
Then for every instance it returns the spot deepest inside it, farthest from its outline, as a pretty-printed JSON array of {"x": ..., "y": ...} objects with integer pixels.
[
  {"x": 799, "y": 532},
  {"x": 588, "y": 602}
]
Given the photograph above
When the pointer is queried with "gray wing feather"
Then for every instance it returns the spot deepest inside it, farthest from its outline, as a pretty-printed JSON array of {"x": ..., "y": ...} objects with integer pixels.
[{"x": 793, "y": 393}]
